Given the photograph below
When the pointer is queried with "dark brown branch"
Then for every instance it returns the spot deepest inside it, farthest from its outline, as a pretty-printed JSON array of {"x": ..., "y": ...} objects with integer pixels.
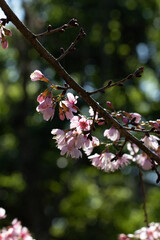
[
  {"x": 72, "y": 23},
  {"x": 144, "y": 198},
  {"x": 137, "y": 73},
  {"x": 70, "y": 81},
  {"x": 72, "y": 46},
  {"x": 119, "y": 153},
  {"x": 154, "y": 168}
]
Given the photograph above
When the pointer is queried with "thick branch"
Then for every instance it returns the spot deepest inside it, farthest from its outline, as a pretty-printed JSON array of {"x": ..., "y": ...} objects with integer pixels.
[{"x": 70, "y": 81}]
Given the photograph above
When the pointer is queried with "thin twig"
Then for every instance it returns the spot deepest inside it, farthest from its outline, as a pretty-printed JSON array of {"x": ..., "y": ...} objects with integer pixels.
[
  {"x": 94, "y": 118},
  {"x": 72, "y": 46},
  {"x": 144, "y": 198},
  {"x": 119, "y": 153},
  {"x": 154, "y": 168},
  {"x": 137, "y": 73},
  {"x": 72, "y": 23}
]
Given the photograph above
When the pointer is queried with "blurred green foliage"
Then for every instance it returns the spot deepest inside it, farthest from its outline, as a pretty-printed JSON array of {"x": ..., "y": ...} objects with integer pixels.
[{"x": 59, "y": 198}]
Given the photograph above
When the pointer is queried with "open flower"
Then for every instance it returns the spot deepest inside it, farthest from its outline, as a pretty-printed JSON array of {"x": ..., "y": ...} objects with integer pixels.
[
  {"x": 81, "y": 123},
  {"x": 151, "y": 141},
  {"x": 136, "y": 117},
  {"x": 2, "y": 213},
  {"x": 46, "y": 106},
  {"x": 68, "y": 106},
  {"x": 112, "y": 134}
]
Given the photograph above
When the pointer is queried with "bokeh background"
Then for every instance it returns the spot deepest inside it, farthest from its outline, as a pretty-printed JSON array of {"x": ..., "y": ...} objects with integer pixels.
[{"x": 68, "y": 199}]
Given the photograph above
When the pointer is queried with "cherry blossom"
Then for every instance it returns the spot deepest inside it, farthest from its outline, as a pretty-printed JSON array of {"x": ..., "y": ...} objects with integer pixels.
[
  {"x": 136, "y": 117},
  {"x": 156, "y": 123},
  {"x": 132, "y": 148},
  {"x": 123, "y": 237},
  {"x": 123, "y": 161},
  {"x": 90, "y": 144},
  {"x": 81, "y": 123},
  {"x": 69, "y": 142},
  {"x": 46, "y": 106},
  {"x": 38, "y": 76},
  {"x": 2, "y": 213},
  {"x": 4, "y": 32},
  {"x": 68, "y": 106},
  {"x": 109, "y": 162},
  {"x": 14, "y": 232},
  {"x": 144, "y": 161},
  {"x": 112, "y": 134},
  {"x": 145, "y": 233},
  {"x": 151, "y": 141}
]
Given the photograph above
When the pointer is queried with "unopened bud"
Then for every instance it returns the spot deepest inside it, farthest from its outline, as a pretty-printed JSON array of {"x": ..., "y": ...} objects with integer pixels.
[
  {"x": 62, "y": 50},
  {"x": 109, "y": 83},
  {"x": 62, "y": 30},
  {"x": 73, "y": 22},
  {"x": 72, "y": 49},
  {"x": 109, "y": 104},
  {"x": 49, "y": 28}
]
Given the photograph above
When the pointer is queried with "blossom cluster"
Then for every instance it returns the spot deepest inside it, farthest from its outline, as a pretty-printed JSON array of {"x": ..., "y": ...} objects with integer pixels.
[
  {"x": 145, "y": 233},
  {"x": 3, "y": 33},
  {"x": 14, "y": 232},
  {"x": 79, "y": 136}
]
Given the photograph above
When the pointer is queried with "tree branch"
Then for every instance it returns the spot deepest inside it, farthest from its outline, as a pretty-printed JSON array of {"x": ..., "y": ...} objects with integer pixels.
[
  {"x": 70, "y": 81},
  {"x": 72, "y": 23},
  {"x": 144, "y": 198},
  {"x": 137, "y": 73},
  {"x": 72, "y": 46}
]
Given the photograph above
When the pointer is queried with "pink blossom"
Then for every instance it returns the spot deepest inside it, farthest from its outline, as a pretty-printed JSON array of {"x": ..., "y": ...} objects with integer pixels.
[
  {"x": 123, "y": 161},
  {"x": 145, "y": 233},
  {"x": 144, "y": 161},
  {"x": 135, "y": 116},
  {"x": 69, "y": 142},
  {"x": 109, "y": 162},
  {"x": 103, "y": 161},
  {"x": 112, "y": 134},
  {"x": 36, "y": 76},
  {"x": 4, "y": 32},
  {"x": 132, "y": 148},
  {"x": 151, "y": 142},
  {"x": 4, "y": 42},
  {"x": 2, "y": 213},
  {"x": 123, "y": 237},
  {"x": 68, "y": 106},
  {"x": 89, "y": 145},
  {"x": 41, "y": 98},
  {"x": 71, "y": 101},
  {"x": 156, "y": 123},
  {"x": 109, "y": 104},
  {"x": 15, "y": 232},
  {"x": 81, "y": 123},
  {"x": 46, "y": 107}
]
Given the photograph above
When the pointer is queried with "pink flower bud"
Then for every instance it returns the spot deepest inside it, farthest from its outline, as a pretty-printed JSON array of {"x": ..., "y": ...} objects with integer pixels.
[
  {"x": 7, "y": 32},
  {"x": 109, "y": 104},
  {"x": 36, "y": 75}
]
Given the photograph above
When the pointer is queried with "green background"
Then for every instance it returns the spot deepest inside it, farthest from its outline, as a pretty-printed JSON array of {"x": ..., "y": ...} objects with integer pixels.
[{"x": 55, "y": 197}]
